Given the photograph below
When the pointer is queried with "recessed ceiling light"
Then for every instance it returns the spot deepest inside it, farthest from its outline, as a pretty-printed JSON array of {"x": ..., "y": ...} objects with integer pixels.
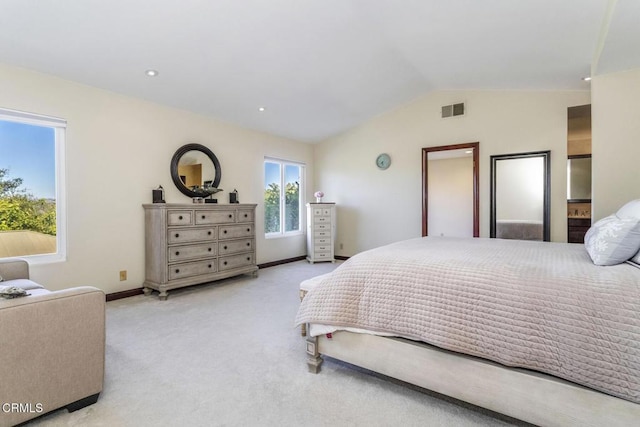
[
  {"x": 151, "y": 73},
  {"x": 586, "y": 79},
  {"x": 261, "y": 109}
]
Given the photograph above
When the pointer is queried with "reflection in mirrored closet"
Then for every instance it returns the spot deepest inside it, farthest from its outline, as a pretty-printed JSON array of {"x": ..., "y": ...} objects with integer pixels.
[
  {"x": 520, "y": 201},
  {"x": 578, "y": 172}
]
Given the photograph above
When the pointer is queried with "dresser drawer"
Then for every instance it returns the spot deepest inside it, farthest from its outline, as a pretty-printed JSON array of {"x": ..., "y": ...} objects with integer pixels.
[
  {"x": 322, "y": 255},
  {"x": 322, "y": 234},
  {"x": 322, "y": 219},
  {"x": 235, "y": 261},
  {"x": 186, "y": 235},
  {"x": 214, "y": 217},
  {"x": 188, "y": 269},
  {"x": 235, "y": 231},
  {"x": 245, "y": 215},
  {"x": 179, "y": 218},
  {"x": 186, "y": 252},
  {"x": 321, "y": 211},
  {"x": 322, "y": 248},
  {"x": 322, "y": 241},
  {"x": 235, "y": 246},
  {"x": 321, "y": 226}
]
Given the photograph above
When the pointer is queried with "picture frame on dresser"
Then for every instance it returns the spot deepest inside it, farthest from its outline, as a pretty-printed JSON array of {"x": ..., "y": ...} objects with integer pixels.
[{"x": 190, "y": 244}]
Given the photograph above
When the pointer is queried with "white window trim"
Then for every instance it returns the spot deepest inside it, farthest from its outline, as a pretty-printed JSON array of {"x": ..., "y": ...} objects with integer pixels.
[
  {"x": 303, "y": 170},
  {"x": 61, "y": 198}
]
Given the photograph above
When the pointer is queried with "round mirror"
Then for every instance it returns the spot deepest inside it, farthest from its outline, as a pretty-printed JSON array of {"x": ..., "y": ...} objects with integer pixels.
[{"x": 195, "y": 170}]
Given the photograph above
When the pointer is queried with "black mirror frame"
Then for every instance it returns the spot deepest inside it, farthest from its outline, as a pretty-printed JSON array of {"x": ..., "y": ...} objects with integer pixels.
[
  {"x": 176, "y": 176},
  {"x": 546, "y": 220}
]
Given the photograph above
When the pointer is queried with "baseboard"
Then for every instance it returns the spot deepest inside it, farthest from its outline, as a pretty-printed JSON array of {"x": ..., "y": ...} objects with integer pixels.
[
  {"x": 124, "y": 294},
  {"x": 342, "y": 257},
  {"x": 282, "y": 261},
  {"x": 138, "y": 291}
]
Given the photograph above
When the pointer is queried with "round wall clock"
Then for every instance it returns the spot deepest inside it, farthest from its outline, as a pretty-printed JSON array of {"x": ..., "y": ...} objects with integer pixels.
[{"x": 383, "y": 161}]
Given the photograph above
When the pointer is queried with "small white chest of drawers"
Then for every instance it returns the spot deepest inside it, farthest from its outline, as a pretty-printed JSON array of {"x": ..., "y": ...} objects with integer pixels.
[
  {"x": 187, "y": 244},
  {"x": 321, "y": 231}
]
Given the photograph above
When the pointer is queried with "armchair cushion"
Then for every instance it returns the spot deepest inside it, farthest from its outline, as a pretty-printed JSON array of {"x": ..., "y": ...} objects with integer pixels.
[
  {"x": 13, "y": 268},
  {"x": 25, "y": 284}
]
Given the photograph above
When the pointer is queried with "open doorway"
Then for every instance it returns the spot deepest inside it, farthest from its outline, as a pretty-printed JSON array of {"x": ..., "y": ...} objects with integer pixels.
[{"x": 450, "y": 195}]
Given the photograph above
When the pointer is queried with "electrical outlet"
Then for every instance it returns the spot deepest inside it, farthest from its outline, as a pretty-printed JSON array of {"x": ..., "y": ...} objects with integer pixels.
[
  {"x": 341, "y": 245},
  {"x": 123, "y": 275}
]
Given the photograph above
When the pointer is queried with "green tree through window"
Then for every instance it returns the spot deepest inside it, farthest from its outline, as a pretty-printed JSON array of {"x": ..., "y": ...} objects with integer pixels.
[
  {"x": 32, "y": 186},
  {"x": 282, "y": 207},
  {"x": 20, "y": 210}
]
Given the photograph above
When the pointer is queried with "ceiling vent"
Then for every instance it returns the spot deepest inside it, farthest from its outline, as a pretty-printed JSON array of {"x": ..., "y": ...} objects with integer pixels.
[{"x": 453, "y": 110}]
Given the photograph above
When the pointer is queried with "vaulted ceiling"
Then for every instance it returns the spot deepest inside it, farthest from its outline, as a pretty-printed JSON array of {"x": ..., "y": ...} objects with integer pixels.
[{"x": 318, "y": 67}]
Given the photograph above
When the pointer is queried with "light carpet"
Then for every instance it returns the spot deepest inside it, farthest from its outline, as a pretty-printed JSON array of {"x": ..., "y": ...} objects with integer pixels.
[{"x": 227, "y": 354}]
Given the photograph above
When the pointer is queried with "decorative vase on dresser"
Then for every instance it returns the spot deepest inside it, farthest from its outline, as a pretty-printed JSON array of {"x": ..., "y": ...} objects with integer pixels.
[
  {"x": 187, "y": 244},
  {"x": 321, "y": 231}
]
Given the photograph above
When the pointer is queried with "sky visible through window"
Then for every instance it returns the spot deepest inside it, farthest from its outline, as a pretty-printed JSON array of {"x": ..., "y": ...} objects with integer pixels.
[
  {"x": 272, "y": 174},
  {"x": 28, "y": 152}
]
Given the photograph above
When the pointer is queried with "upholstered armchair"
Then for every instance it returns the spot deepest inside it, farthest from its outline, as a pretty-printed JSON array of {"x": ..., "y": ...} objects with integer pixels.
[{"x": 52, "y": 346}]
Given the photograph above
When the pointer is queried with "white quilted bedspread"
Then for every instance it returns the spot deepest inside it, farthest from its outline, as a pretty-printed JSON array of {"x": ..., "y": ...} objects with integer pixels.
[{"x": 536, "y": 305}]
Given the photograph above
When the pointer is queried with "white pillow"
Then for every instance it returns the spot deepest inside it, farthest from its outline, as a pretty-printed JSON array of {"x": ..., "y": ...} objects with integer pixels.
[
  {"x": 613, "y": 240},
  {"x": 630, "y": 210}
]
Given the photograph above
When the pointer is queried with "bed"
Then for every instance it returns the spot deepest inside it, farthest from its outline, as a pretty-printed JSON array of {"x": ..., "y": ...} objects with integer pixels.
[
  {"x": 533, "y": 330},
  {"x": 519, "y": 229}
]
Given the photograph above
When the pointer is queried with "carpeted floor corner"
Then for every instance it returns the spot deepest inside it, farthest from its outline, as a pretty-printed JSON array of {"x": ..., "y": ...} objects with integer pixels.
[{"x": 227, "y": 354}]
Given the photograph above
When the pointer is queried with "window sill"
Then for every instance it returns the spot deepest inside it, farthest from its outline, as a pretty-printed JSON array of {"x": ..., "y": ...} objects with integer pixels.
[{"x": 283, "y": 235}]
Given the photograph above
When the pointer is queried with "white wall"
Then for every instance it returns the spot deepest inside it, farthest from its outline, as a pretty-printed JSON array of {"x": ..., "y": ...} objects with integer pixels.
[
  {"x": 615, "y": 141},
  {"x": 117, "y": 150},
  {"x": 377, "y": 207},
  {"x": 451, "y": 197}
]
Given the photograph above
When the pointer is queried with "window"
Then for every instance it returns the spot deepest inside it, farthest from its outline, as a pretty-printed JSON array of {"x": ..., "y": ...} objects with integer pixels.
[
  {"x": 282, "y": 202},
  {"x": 31, "y": 186}
]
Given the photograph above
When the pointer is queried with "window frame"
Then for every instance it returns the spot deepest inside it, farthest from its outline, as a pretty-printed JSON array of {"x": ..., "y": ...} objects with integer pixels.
[
  {"x": 59, "y": 125},
  {"x": 301, "y": 200}
]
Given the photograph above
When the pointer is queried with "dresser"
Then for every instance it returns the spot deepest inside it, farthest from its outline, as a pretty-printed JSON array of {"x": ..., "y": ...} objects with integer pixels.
[
  {"x": 577, "y": 228},
  {"x": 321, "y": 231},
  {"x": 188, "y": 244}
]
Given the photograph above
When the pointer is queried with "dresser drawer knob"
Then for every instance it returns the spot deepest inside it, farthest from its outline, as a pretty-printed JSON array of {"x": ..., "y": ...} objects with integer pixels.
[
  {"x": 209, "y": 249},
  {"x": 209, "y": 233},
  {"x": 248, "y": 230},
  {"x": 248, "y": 244},
  {"x": 248, "y": 258},
  {"x": 225, "y": 247},
  {"x": 230, "y": 216},
  {"x": 225, "y": 263},
  {"x": 180, "y": 217},
  {"x": 225, "y": 231},
  {"x": 177, "y": 253},
  {"x": 177, "y": 270},
  {"x": 177, "y": 235},
  {"x": 209, "y": 265},
  {"x": 246, "y": 215},
  {"x": 203, "y": 217}
]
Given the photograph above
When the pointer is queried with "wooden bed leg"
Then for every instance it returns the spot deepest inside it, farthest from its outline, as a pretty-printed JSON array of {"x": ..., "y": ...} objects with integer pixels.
[
  {"x": 303, "y": 327},
  {"x": 314, "y": 360}
]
